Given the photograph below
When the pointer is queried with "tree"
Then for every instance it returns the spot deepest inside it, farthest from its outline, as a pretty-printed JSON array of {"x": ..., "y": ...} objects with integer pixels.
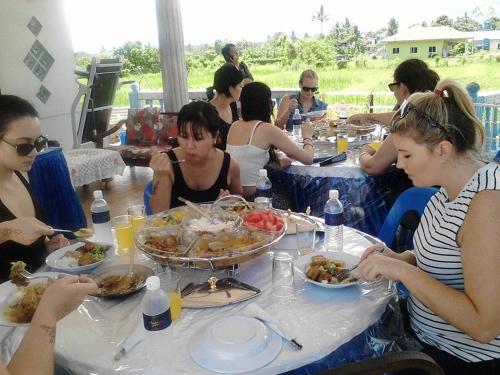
[
  {"x": 466, "y": 23},
  {"x": 321, "y": 17},
  {"x": 393, "y": 27},
  {"x": 443, "y": 20},
  {"x": 347, "y": 40},
  {"x": 424, "y": 24}
]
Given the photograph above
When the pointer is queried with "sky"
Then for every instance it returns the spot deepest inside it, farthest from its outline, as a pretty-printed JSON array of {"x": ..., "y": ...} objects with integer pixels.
[{"x": 97, "y": 24}]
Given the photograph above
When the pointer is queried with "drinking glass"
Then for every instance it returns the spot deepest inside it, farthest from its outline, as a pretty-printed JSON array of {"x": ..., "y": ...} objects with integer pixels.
[
  {"x": 124, "y": 233},
  {"x": 170, "y": 283},
  {"x": 138, "y": 214},
  {"x": 342, "y": 142},
  {"x": 282, "y": 275},
  {"x": 306, "y": 237},
  {"x": 377, "y": 138}
]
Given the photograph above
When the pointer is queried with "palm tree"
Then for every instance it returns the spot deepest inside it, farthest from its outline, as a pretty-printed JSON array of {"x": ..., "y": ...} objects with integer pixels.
[{"x": 321, "y": 17}]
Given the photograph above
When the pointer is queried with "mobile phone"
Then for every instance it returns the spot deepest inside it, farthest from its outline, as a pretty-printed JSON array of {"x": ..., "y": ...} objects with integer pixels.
[{"x": 334, "y": 159}]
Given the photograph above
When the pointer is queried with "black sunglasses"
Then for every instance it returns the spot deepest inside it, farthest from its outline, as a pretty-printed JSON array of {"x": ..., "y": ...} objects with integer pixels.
[
  {"x": 392, "y": 86},
  {"x": 311, "y": 89},
  {"x": 24, "y": 149},
  {"x": 406, "y": 107}
]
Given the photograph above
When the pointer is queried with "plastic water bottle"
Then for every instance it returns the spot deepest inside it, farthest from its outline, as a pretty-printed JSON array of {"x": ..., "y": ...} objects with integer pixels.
[
  {"x": 343, "y": 114},
  {"x": 297, "y": 125},
  {"x": 263, "y": 193},
  {"x": 334, "y": 222},
  {"x": 100, "y": 218},
  {"x": 157, "y": 318}
]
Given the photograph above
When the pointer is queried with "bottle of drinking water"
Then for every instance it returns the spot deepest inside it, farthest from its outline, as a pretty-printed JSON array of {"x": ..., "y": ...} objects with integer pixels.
[
  {"x": 334, "y": 222},
  {"x": 157, "y": 318},
  {"x": 297, "y": 125},
  {"x": 343, "y": 114},
  {"x": 263, "y": 193},
  {"x": 100, "y": 218}
]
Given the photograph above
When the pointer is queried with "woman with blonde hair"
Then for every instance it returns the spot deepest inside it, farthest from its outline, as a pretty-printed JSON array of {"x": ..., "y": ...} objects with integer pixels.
[
  {"x": 453, "y": 273},
  {"x": 304, "y": 100}
]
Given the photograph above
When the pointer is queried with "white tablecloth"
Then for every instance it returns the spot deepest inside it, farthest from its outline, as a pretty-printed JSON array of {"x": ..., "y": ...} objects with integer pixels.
[
  {"x": 89, "y": 165},
  {"x": 322, "y": 320}
]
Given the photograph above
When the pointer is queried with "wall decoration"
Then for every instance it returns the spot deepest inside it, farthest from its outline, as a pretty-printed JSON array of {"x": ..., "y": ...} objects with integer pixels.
[
  {"x": 35, "y": 26},
  {"x": 43, "y": 94},
  {"x": 39, "y": 60}
]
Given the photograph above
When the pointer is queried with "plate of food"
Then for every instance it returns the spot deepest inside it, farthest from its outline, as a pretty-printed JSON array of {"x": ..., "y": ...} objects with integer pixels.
[
  {"x": 18, "y": 303},
  {"x": 116, "y": 281},
  {"x": 314, "y": 114},
  {"x": 80, "y": 256},
  {"x": 327, "y": 269}
]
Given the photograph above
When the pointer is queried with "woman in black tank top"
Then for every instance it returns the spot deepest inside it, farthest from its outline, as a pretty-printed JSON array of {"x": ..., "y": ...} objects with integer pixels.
[
  {"x": 196, "y": 170},
  {"x": 22, "y": 233}
]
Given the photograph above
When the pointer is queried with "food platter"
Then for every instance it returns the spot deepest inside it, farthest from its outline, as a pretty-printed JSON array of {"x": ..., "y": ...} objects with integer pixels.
[{"x": 180, "y": 246}]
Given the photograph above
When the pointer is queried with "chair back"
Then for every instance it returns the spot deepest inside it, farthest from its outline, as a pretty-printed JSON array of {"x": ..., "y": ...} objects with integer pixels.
[
  {"x": 147, "y": 196},
  {"x": 413, "y": 199}
]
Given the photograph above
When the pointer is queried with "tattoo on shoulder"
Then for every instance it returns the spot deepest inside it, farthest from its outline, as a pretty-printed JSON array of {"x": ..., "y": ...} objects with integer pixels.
[{"x": 51, "y": 332}]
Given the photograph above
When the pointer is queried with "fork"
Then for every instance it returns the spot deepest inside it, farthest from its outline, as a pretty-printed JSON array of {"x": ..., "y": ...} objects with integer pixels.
[
  {"x": 174, "y": 161},
  {"x": 346, "y": 271},
  {"x": 23, "y": 277}
]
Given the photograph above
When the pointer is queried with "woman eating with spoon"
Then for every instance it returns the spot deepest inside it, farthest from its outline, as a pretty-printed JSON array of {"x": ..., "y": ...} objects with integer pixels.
[{"x": 197, "y": 170}]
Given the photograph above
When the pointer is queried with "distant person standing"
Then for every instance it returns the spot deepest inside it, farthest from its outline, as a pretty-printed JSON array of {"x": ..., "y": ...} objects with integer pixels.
[{"x": 231, "y": 55}]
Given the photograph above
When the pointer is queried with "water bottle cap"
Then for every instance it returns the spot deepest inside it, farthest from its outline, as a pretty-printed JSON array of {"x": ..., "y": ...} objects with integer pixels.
[
  {"x": 153, "y": 283},
  {"x": 297, "y": 112},
  {"x": 333, "y": 194},
  {"x": 97, "y": 194},
  {"x": 262, "y": 172}
]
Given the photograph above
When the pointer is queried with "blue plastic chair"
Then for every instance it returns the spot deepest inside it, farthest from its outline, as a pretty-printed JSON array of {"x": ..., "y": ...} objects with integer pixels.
[
  {"x": 413, "y": 199},
  {"x": 147, "y": 196},
  {"x": 497, "y": 157}
]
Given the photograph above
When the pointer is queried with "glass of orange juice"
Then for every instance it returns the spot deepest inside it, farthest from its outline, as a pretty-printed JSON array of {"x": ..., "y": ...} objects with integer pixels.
[
  {"x": 170, "y": 283},
  {"x": 342, "y": 142},
  {"x": 377, "y": 138},
  {"x": 138, "y": 213},
  {"x": 124, "y": 233}
]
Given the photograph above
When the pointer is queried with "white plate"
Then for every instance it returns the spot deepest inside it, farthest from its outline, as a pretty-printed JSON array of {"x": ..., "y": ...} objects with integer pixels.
[
  {"x": 53, "y": 259},
  {"x": 234, "y": 344},
  {"x": 7, "y": 288},
  {"x": 314, "y": 113},
  {"x": 302, "y": 263}
]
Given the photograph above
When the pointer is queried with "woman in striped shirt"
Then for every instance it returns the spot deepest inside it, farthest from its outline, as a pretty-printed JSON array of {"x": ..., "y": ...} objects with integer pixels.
[{"x": 454, "y": 272}]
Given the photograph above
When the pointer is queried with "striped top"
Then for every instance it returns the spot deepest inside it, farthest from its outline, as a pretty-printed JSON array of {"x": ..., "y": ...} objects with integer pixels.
[{"x": 438, "y": 254}]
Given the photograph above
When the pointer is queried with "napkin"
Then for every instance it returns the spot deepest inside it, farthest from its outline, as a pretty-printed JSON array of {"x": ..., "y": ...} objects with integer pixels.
[{"x": 255, "y": 311}]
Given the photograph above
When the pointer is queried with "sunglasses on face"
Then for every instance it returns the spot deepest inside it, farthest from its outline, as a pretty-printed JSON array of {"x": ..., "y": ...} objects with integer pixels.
[
  {"x": 392, "y": 86},
  {"x": 406, "y": 107},
  {"x": 24, "y": 149},
  {"x": 311, "y": 89}
]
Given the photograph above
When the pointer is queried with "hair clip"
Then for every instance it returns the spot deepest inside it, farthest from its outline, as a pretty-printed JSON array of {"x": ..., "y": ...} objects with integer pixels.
[{"x": 438, "y": 92}]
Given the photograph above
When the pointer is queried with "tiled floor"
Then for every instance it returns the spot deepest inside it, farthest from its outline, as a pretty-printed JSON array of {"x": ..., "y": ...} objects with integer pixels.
[{"x": 120, "y": 193}]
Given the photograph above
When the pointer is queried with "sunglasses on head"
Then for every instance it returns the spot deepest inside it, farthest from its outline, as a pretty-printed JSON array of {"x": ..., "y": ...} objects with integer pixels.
[
  {"x": 24, "y": 149},
  {"x": 406, "y": 107},
  {"x": 311, "y": 89},
  {"x": 392, "y": 86}
]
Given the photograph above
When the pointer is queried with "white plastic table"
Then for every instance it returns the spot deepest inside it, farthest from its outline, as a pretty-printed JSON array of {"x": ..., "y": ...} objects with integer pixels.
[{"x": 322, "y": 320}]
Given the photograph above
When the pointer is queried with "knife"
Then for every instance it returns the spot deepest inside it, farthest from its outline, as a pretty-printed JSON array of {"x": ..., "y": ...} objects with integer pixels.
[{"x": 259, "y": 313}]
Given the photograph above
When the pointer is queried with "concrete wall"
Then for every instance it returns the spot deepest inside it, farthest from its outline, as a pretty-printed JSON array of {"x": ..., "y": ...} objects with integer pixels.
[
  {"x": 422, "y": 49},
  {"x": 16, "y": 78}
]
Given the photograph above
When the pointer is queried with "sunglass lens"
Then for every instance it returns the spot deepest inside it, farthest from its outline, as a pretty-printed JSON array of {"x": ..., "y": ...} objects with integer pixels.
[{"x": 24, "y": 149}]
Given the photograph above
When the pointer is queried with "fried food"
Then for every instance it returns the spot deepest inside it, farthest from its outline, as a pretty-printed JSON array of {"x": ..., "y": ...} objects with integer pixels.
[
  {"x": 328, "y": 271},
  {"x": 23, "y": 303},
  {"x": 89, "y": 253},
  {"x": 16, "y": 271},
  {"x": 165, "y": 244},
  {"x": 226, "y": 244},
  {"x": 119, "y": 284}
]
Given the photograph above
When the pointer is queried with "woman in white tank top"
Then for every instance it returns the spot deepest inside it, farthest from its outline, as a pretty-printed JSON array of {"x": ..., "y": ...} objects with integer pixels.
[
  {"x": 454, "y": 273},
  {"x": 253, "y": 140}
]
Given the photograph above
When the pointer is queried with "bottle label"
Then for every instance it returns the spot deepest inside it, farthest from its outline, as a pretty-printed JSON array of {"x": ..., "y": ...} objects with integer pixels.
[
  {"x": 297, "y": 121},
  {"x": 100, "y": 217},
  {"x": 157, "y": 322},
  {"x": 267, "y": 193},
  {"x": 334, "y": 219}
]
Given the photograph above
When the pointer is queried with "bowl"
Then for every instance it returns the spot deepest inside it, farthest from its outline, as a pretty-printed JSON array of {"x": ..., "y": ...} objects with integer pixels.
[
  {"x": 140, "y": 271},
  {"x": 54, "y": 260}
]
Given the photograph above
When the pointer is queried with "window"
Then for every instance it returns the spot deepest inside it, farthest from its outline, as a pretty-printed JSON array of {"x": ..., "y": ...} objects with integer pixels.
[
  {"x": 413, "y": 49},
  {"x": 395, "y": 51},
  {"x": 432, "y": 49}
]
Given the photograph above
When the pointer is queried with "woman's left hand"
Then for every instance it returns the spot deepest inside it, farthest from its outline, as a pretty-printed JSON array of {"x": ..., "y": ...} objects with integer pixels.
[
  {"x": 381, "y": 265},
  {"x": 56, "y": 242},
  {"x": 224, "y": 193},
  {"x": 284, "y": 162}
]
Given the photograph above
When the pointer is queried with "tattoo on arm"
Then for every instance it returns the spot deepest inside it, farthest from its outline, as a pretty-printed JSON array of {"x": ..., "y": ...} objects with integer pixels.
[{"x": 51, "y": 332}]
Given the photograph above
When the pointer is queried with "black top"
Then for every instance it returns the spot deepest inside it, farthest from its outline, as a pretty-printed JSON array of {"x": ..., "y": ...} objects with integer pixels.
[
  {"x": 223, "y": 132},
  {"x": 33, "y": 255},
  {"x": 243, "y": 68},
  {"x": 181, "y": 189}
]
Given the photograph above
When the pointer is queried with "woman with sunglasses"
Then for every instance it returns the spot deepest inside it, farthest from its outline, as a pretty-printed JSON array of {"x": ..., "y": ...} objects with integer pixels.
[
  {"x": 253, "y": 140},
  {"x": 453, "y": 273},
  {"x": 304, "y": 100},
  {"x": 23, "y": 236},
  {"x": 410, "y": 76}
]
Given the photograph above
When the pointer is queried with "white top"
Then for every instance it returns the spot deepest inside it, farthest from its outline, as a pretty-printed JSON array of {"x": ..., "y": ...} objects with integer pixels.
[
  {"x": 250, "y": 158},
  {"x": 439, "y": 255}
]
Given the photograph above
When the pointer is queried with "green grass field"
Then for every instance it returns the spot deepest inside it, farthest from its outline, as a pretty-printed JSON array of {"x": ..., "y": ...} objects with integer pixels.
[{"x": 373, "y": 77}]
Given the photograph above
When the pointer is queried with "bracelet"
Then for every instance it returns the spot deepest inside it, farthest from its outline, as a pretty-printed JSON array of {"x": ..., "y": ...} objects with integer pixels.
[
  {"x": 307, "y": 144},
  {"x": 303, "y": 139}
]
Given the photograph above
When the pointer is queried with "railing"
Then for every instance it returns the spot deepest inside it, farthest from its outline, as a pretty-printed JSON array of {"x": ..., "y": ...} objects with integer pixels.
[{"x": 489, "y": 114}]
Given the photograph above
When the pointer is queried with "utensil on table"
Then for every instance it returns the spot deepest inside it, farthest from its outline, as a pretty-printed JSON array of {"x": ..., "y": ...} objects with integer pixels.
[
  {"x": 131, "y": 341},
  {"x": 255, "y": 311},
  {"x": 197, "y": 208},
  {"x": 346, "y": 271},
  {"x": 70, "y": 235}
]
